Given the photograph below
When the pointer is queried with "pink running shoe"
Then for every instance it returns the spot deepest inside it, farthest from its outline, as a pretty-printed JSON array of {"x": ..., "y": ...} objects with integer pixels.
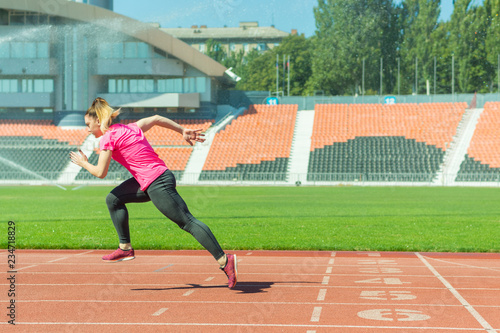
[
  {"x": 231, "y": 270},
  {"x": 119, "y": 255}
]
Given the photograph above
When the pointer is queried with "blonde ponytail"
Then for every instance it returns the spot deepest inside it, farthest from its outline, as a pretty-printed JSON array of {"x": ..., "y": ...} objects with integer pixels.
[{"x": 101, "y": 110}]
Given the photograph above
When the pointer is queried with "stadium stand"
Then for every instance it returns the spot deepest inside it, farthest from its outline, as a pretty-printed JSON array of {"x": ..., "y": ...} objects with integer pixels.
[
  {"x": 374, "y": 142},
  {"x": 482, "y": 161},
  {"x": 255, "y": 146},
  {"x": 33, "y": 149}
]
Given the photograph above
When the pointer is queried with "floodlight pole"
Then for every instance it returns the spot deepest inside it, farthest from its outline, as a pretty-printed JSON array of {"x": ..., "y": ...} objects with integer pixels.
[
  {"x": 381, "y": 69},
  {"x": 288, "y": 64},
  {"x": 416, "y": 76},
  {"x": 453, "y": 77},
  {"x": 363, "y": 79},
  {"x": 399, "y": 60},
  {"x": 277, "y": 75},
  {"x": 434, "y": 75},
  {"x": 284, "y": 72}
]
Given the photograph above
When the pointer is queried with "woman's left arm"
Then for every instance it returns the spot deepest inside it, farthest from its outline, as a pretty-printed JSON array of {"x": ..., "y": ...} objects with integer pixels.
[
  {"x": 146, "y": 123},
  {"x": 100, "y": 170}
]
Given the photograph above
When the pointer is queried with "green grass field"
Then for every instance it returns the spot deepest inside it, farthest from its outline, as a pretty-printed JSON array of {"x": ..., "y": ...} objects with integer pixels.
[{"x": 273, "y": 218}]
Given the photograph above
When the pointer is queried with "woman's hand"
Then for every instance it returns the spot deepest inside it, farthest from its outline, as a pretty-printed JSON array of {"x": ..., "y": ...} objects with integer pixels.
[
  {"x": 194, "y": 135},
  {"x": 78, "y": 159}
]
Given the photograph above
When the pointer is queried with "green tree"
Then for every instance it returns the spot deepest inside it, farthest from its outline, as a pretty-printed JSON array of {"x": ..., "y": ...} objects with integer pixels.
[
  {"x": 492, "y": 8},
  {"x": 215, "y": 50},
  {"x": 467, "y": 42},
  {"x": 348, "y": 35},
  {"x": 442, "y": 53},
  {"x": 419, "y": 23},
  {"x": 259, "y": 70}
]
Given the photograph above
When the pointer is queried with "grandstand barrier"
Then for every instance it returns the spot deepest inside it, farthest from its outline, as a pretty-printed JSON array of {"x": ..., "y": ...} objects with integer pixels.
[{"x": 14, "y": 178}]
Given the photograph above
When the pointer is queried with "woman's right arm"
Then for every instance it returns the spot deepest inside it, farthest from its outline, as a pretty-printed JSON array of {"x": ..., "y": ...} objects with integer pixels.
[{"x": 146, "y": 123}]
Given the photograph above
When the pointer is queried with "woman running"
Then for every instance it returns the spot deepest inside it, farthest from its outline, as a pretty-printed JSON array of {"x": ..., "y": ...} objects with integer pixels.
[{"x": 151, "y": 181}]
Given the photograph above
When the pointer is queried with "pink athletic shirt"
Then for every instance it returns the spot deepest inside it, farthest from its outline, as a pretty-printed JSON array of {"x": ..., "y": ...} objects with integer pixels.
[{"x": 131, "y": 149}]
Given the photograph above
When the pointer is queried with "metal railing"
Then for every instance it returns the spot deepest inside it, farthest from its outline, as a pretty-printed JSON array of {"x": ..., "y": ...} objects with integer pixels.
[{"x": 262, "y": 178}]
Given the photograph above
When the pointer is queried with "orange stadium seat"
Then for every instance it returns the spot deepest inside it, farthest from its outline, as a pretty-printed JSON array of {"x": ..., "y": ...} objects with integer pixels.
[
  {"x": 369, "y": 139},
  {"x": 262, "y": 133},
  {"x": 485, "y": 144},
  {"x": 44, "y": 129}
]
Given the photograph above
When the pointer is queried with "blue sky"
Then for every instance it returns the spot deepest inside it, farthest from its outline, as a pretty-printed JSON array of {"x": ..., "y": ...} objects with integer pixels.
[{"x": 284, "y": 14}]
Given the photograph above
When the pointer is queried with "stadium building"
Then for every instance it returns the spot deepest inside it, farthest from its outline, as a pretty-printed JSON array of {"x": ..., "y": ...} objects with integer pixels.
[{"x": 57, "y": 56}]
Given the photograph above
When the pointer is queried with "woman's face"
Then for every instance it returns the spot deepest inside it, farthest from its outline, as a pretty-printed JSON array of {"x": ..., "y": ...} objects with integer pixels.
[{"x": 93, "y": 125}]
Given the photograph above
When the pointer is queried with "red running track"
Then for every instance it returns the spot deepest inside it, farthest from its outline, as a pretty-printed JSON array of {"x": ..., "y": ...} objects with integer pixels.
[{"x": 289, "y": 291}]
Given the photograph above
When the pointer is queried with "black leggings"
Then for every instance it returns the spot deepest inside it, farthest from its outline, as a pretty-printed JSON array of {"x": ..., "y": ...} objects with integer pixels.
[{"x": 165, "y": 197}]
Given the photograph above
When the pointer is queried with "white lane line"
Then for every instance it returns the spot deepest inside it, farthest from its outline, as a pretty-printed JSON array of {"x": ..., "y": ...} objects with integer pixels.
[
  {"x": 51, "y": 261},
  {"x": 249, "y": 253},
  {"x": 395, "y": 328},
  {"x": 87, "y": 252},
  {"x": 331, "y": 261},
  {"x": 160, "y": 269},
  {"x": 210, "y": 278},
  {"x": 334, "y": 254},
  {"x": 329, "y": 270},
  {"x": 326, "y": 279},
  {"x": 189, "y": 292},
  {"x": 321, "y": 295},
  {"x": 457, "y": 295},
  {"x": 463, "y": 265},
  {"x": 437, "y": 306},
  {"x": 159, "y": 312},
  {"x": 58, "y": 259},
  {"x": 316, "y": 313}
]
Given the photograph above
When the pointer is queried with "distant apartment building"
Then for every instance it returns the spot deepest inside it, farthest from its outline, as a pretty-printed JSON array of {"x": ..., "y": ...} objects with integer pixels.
[{"x": 246, "y": 37}]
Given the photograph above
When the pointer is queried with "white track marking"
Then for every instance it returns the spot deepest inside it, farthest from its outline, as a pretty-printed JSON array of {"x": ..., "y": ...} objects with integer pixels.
[
  {"x": 457, "y": 295},
  {"x": 87, "y": 252},
  {"x": 58, "y": 259},
  {"x": 395, "y": 328},
  {"x": 316, "y": 313},
  {"x": 321, "y": 295},
  {"x": 256, "y": 302},
  {"x": 160, "y": 269},
  {"x": 159, "y": 312},
  {"x": 329, "y": 270},
  {"x": 18, "y": 269},
  {"x": 189, "y": 292},
  {"x": 464, "y": 265},
  {"x": 331, "y": 261},
  {"x": 326, "y": 279},
  {"x": 209, "y": 278}
]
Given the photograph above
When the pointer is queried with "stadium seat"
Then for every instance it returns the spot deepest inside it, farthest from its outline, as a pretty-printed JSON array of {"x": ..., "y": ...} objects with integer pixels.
[
  {"x": 255, "y": 146},
  {"x": 371, "y": 140}
]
